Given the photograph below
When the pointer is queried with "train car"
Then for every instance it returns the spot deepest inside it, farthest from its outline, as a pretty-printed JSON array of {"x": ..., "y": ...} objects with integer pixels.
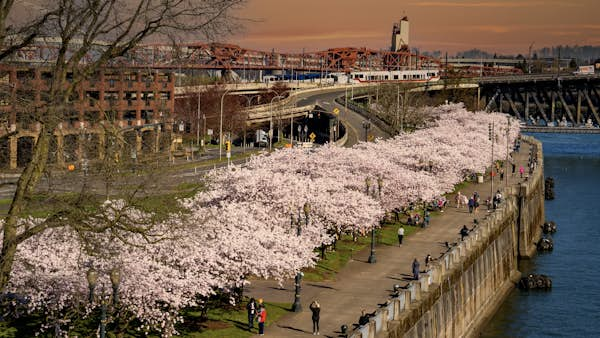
[{"x": 416, "y": 75}]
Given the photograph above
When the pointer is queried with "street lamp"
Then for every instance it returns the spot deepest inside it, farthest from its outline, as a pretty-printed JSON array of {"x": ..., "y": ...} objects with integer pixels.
[
  {"x": 376, "y": 194},
  {"x": 366, "y": 125},
  {"x": 506, "y": 162},
  {"x": 221, "y": 124},
  {"x": 198, "y": 122},
  {"x": 297, "y": 306},
  {"x": 491, "y": 138},
  {"x": 400, "y": 114},
  {"x": 115, "y": 279},
  {"x": 279, "y": 97},
  {"x": 92, "y": 278},
  {"x": 249, "y": 100}
]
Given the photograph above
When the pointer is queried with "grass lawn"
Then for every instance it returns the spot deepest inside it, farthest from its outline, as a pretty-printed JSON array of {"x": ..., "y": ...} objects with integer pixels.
[
  {"x": 221, "y": 323},
  {"x": 225, "y": 323},
  {"x": 334, "y": 261}
]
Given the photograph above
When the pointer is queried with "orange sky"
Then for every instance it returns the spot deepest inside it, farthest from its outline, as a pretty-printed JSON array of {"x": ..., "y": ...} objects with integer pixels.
[{"x": 502, "y": 26}]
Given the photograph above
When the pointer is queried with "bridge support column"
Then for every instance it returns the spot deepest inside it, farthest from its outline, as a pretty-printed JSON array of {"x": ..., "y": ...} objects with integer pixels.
[
  {"x": 553, "y": 107},
  {"x": 526, "y": 106},
  {"x": 500, "y": 103},
  {"x": 578, "y": 121},
  {"x": 478, "y": 98},
  {"x": 13, "y": 151},
  {"x": 591, "y": 106}
]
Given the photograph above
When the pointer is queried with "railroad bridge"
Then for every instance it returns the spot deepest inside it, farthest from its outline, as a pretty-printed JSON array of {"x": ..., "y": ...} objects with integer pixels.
[{"x": 563, "y": 99}]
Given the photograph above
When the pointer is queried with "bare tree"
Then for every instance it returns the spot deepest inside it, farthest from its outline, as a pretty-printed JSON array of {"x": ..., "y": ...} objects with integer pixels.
[
  {"x": 398, "y": 105},
  {"x": 104, "y": 30}
]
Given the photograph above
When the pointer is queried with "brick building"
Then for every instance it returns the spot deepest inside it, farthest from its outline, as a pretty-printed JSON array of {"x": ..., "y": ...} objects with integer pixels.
[{"x": 138, "y": 103}]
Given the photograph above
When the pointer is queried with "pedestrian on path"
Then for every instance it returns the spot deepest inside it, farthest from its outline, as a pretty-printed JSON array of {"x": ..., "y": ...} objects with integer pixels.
[
  {"x": 400, "y": 235},
  {"x": 251, "y": 307},
  {"x": 521, "y": 171},
  {"x": 471, "y": 205},
  {"x": 415, "y": 269},
  {"x": 316, "y": 315},
  {"x": 262, "y": 318},
  {"x": 428, "y": 260}
]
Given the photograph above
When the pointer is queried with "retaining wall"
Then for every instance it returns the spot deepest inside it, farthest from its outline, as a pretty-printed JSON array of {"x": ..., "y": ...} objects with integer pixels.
[{"x": 467, "y": 284}]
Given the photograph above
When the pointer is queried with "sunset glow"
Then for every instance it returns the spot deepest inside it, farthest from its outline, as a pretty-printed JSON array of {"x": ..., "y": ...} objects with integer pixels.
[{"x": 446, "y": 25}]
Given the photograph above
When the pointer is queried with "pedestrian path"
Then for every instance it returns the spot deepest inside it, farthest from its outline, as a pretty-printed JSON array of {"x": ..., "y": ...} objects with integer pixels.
[{"x": 362, "y": 286}]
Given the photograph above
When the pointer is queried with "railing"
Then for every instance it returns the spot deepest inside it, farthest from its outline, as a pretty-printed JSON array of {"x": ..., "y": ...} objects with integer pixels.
[{"x": 400, "y": 301}]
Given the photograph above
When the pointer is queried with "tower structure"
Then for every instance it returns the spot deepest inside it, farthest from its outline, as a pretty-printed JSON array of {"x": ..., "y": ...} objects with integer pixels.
[{"x": 400, "y": 35}]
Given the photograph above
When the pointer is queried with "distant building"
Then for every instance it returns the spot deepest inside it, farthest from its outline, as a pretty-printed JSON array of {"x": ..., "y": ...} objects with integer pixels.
[
  {"x": 400, "y": 35},
  {"x": 138, "y": 102}
]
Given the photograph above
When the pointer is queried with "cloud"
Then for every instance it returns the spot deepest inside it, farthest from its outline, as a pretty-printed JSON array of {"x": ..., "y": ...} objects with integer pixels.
[
  {"x": 493, "y": 4},
  {"x": 266, "y": 37},
  {"x": 493, "y": 28}
]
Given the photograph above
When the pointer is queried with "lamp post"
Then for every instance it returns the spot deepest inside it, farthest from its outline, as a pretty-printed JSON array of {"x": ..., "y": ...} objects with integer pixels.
[
  {"x": 366, "y": 125},
  {"x": 506, "y": 162},
  {"x": 297, "y": 306},
  {"x": 491, "y": 138},
  {"x": 115, "y": 279},
  {"x": 279, "y": 97},
  {"x": 92, "y": 278},
  {"x": 372, "y": 258},
  {"x": 400, "y": 114},
  {"x": 198, "y": 121},
  {"x": 221, "y": 124},
  {"x": 249, "y": 101},
  {"x": 306, "y": 131}
]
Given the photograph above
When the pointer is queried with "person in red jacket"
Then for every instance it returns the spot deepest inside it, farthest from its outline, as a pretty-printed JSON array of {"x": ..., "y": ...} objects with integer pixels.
[{"x": 262, "y": 318}]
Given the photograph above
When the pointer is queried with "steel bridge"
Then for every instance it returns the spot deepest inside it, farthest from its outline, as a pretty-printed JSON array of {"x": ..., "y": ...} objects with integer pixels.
[
  {"x": 548, "y": 99},
  {"x": 229, "y": 57}
]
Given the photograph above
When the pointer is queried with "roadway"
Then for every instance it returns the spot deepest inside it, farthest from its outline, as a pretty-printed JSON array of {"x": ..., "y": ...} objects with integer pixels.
[{"x": 351, "y": 119}]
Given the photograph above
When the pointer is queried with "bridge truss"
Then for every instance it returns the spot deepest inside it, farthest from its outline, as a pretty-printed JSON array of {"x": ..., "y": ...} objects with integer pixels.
[
  {"x": 220, "y": 56},
  {"x": 229, "y": 57}
]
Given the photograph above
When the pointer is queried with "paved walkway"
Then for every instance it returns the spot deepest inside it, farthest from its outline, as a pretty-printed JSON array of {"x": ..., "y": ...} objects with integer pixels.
[{"x": 360, "y": 285}]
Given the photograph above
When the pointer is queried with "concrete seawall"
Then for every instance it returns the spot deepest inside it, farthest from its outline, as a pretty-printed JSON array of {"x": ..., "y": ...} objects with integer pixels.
[{"x": 462, "y": 289}]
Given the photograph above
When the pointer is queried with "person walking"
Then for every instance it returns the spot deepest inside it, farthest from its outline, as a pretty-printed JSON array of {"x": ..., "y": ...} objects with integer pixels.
[
  {"x": 316, "y": 315},
  {"x": 400, "y": 235},
  {"x": 471, "y": 205},
  {"x": 521, "y": 170},
  {"x": 415, "y": 269},
  {"x": 251, "y": 308},
  {"x": 262, "y": 318}
]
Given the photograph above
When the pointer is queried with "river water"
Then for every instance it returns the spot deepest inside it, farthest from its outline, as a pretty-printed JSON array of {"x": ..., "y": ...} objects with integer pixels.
[{"x": 572, "y": 307}]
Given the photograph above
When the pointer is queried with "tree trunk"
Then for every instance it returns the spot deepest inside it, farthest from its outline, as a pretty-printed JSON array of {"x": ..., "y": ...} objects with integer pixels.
[{"x": 25, "y": 186}]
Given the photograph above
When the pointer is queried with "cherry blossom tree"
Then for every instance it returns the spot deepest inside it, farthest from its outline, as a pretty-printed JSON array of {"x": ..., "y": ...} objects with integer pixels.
[{"x": 245, "y": 223}]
